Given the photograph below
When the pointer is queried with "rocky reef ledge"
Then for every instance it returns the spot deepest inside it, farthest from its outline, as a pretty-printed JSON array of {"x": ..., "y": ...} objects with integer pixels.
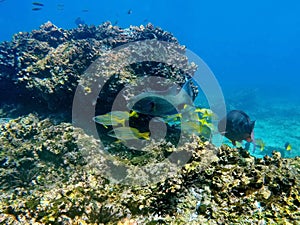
[
  {"x": 43, "y": 67},
  {"x": 47, "y": 178}
]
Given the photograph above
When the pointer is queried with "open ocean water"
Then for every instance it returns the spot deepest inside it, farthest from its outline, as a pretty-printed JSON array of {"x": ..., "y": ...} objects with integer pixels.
[
  {"x": 276, "y": 111},
  {"x": 251, "y": 47}
]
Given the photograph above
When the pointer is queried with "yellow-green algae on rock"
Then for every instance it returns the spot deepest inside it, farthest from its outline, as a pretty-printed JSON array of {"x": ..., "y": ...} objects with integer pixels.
[{"x": 45, "y": 180}]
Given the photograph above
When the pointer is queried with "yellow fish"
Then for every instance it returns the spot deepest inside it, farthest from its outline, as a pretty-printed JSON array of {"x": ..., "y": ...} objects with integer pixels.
[
  {"x": 196, "y": 128},
  {"x": 194, "y": 113},
  {"x": 191, "y": 120},
  {"x": 174, "y": 119},
  {"x": 114, "y": 118},
  {"x": 288, "y": 146},
  {"x": 206, "y": 113},
  {"x": 128, "y": 133},
  {"x": 260, "y": 143}
]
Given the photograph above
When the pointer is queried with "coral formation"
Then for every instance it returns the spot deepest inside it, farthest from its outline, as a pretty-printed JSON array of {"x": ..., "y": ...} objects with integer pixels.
[
  {"x": 45, "y": 65},
  {"x": 51, "y": 171},
  {"x": 217, "y": 185}
]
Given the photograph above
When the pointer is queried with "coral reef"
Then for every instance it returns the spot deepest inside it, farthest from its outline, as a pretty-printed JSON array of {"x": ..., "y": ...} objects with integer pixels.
[
  {"x": 46, "y": 180},
  {"x": 45, "y": 65},
  {"x": 52, "y": 172},
  {"x": 31, "y": 148}
]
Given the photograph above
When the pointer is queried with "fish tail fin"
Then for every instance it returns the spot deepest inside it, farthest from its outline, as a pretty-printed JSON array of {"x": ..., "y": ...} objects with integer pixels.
[
  {"x": 134, "y": 114},
  {"x": 122, "y": 121},
  {"x": 118, "y": 141},
  {"x": 145, "y": 135},
  {"x": 185, "y": 95},
  {"x": 252, "y": 124},
  {"x": 95, "y": 119}
]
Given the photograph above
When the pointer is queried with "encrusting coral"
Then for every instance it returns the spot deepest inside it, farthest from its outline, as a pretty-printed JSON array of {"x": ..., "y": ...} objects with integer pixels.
[{"x": 216, "y": 186}]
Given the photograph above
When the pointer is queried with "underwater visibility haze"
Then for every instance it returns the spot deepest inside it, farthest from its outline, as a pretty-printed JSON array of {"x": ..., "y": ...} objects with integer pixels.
[{"x": 149, "y": 112}]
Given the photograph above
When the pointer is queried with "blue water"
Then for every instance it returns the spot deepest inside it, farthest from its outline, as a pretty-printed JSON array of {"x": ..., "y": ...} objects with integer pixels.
[{"x": 252, "y": 47}]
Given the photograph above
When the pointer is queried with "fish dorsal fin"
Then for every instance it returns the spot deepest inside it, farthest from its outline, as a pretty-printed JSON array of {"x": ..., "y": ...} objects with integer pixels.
[
  {"x": 185, "y": 95},
  {"x": 187, "y": 88},
  {"x": 252, "y": 124}
]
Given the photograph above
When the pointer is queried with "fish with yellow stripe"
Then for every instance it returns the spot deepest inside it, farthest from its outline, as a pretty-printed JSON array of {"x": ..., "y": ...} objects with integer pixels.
[
  {"x": 192, "y": 120},
  {"x": 114, "y": 118},
  {"x": 128, "y": 133}
]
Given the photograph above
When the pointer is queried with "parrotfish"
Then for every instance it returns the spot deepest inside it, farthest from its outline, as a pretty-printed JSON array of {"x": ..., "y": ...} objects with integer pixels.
[
  {"x": 237, "y": 126},
  {"x": 162, "y": 103}
]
